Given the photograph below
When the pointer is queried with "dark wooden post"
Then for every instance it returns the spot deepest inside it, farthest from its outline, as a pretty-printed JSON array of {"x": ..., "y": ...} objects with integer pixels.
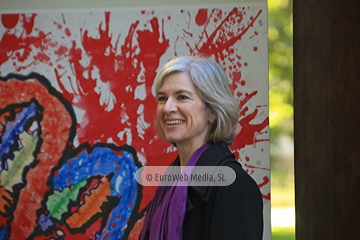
[{"x": 327, "y": 119}]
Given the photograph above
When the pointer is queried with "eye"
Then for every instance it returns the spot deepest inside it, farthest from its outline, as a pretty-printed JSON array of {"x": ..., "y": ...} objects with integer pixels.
[
  {"x": 161, "y": 98},
  {"x": 183, "y": 97}
]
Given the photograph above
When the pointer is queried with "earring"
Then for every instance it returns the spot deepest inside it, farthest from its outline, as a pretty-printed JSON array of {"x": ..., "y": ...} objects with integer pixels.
[{"x": 211, "y": 120}]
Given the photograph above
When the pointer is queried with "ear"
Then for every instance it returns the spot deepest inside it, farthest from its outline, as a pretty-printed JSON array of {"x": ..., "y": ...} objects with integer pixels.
[
  {"x": 211, "y": 113},
  {"x": 212, "y": 117}
]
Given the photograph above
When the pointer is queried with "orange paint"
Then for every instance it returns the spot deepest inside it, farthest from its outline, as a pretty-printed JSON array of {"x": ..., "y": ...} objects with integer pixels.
[{"x": 92, "y": 204}]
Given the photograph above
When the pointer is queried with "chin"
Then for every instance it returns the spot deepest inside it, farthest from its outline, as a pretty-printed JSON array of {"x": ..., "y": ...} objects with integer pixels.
[{"x": 171, "y": 140}]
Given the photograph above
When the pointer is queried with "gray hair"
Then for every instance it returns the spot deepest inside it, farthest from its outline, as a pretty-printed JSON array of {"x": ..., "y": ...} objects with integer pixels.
[{"x": 213, "y": 87}]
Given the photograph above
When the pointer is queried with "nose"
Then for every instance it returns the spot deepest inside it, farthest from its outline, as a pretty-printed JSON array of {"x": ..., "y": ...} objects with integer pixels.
[{"x": 170, "y": 106}]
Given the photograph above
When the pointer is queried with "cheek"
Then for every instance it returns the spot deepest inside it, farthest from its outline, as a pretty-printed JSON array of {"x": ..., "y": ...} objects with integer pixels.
[
  {"x": 159, "y": 113},
  {"x": 199, "y": 114},
  {"x": 158, "y": 125}
]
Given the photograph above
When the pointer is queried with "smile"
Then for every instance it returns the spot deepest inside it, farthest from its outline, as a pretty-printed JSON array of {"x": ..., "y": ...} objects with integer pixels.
[{"x": 174, "y": 122}]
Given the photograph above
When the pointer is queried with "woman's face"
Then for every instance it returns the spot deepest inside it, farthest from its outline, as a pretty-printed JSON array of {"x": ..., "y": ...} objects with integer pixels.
[{"x": 181, "y": 114}]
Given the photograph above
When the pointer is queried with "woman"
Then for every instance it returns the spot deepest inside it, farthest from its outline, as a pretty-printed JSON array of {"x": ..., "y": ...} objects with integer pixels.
[{"x": 197, "y": 113}]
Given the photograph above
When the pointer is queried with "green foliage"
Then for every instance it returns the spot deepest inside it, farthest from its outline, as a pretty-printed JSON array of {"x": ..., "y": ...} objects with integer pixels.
[
  {"x": 283, "y": 233},
  {"x": 281, "y": 109},
  {"x": 281, "y": 67}
]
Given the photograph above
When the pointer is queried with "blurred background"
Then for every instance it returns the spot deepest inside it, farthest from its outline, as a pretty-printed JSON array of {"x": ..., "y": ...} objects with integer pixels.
[{"x": 281, "y": 119}]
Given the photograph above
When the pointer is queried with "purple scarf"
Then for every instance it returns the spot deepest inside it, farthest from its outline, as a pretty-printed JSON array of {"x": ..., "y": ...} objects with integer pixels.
[{"x": 165, "y": 217}]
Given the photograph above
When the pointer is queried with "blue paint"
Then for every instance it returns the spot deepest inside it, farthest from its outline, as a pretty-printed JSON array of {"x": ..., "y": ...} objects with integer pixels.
[
  {"x": 102, "y": 162},
  {"x": 45, "y": 222},
  {"x": 13, "y": 129},
  {"x": 4, "y": 232}
]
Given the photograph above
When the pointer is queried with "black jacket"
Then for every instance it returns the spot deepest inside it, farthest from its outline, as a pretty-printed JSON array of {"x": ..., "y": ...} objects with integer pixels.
[{"x": 233, "y": 212}]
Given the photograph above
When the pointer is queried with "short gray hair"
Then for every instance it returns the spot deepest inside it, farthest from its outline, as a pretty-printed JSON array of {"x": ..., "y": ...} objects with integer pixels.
[{"x": 213, "y": 87}]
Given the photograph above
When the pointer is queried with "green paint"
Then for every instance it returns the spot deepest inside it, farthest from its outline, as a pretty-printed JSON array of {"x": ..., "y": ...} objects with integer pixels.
[
  {"x": 22, "y": 158},
  {"x": 57, "y": 203}
]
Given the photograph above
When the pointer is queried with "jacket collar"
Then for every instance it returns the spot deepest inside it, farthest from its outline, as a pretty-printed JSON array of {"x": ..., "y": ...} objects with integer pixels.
[{"x": 213, "y": 156}]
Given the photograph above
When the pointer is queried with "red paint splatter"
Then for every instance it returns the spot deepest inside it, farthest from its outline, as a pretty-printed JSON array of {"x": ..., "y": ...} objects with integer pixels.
[
  {"x": 216, "y": 42},
  {"x": 245, "y": 64},
  {"x": 63, "y": 18},
  {"x": 244, "y": 111},
  {"x": 28, "y": 22},
  {"x": 48, "y": 42},
  {"x": 10, "y": 44},
  {"x": 120, "y": 72},
  {"x": 260, "y": 140},
  {"x": 201, "y": 16},
  {"x": 250, "y": 166},
  {"x": 267, "y": 196},
  {"x": 42, "y": 57},
  {"x": 266, "y": 180},
  {"x": 247, "y": 98},
  {"x": 9, "y": 21},
  {"x": 248, "y": 131},
  {"x": 61, "y": 50},
  {"x": 255, "y": 49},
  {"x": 236, "y": 76},
  {"x": 190, "y": 34},
  {"x": 67, "y": 32},
  {"x": 242, "y": 82}
]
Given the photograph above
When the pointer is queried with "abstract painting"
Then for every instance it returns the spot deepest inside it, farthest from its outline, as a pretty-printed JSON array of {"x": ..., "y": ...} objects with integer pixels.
[{"x": 77, "y": 109}]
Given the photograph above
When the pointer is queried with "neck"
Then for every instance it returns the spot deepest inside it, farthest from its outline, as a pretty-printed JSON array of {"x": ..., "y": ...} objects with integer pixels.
[{"x": 185, "y": 152}]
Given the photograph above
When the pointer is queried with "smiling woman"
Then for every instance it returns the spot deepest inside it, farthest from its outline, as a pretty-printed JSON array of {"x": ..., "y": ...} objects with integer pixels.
[
  {"x": 197, "y": 113},
  {"x": 181, "y": 114}
]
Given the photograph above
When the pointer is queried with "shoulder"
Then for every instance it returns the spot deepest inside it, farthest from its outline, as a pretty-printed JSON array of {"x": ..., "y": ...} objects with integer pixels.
[
  {"x": 234, "y": 211},
  {"x": 243, "y": 186},
  {"x": 220, "y": 155},
  {"x": 214, "y": 155}
]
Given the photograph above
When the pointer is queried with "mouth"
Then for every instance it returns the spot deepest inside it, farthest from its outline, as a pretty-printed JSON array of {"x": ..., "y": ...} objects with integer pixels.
[{"x": 174, "y": 122}]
